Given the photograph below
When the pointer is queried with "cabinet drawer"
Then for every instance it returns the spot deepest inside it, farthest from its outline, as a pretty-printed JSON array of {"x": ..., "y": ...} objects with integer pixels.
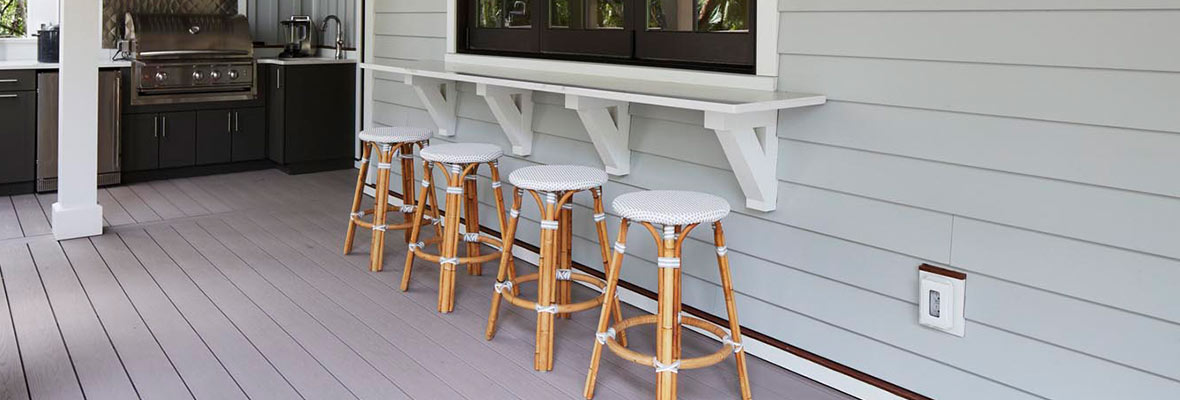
[{"x": 13, "y": 80}]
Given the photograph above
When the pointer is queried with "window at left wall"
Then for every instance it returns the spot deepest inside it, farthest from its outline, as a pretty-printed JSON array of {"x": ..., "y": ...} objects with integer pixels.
[{"x": 13, "y": 22}]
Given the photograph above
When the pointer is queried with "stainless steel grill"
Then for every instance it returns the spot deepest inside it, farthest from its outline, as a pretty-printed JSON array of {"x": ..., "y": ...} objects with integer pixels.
[{"x": 190, "y": 58}]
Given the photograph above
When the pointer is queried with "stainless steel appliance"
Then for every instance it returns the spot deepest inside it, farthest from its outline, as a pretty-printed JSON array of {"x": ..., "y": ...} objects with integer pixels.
[
  {"x": 190, "y": 58},
  {"x": 301, "y": 32},
  {"x": 110, "y": 83}
]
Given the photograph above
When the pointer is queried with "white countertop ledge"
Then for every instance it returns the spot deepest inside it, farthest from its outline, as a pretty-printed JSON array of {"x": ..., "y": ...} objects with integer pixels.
[
  {"x": 693, "y": 97},
  {"x": 26, "y": 64},
  {"x": 305, "y": 61}
]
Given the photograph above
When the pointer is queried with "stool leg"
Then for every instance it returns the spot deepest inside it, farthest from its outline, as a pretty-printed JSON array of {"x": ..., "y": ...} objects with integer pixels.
[
  {"x": 357, "y": 196},
  {"x": 546, "y": 285},
  {"x": 667, "y": 321},
  {"x": 471, "y": 215},
  {"x": 498, "y": 194},
  {"x": 450, "y": 243},
  {"x": 407, "y": 158},
  {"x": 612, "y": 283},
  {"x": 505, "y": 261},
  {"x": 604, "y": 246},
  {"x": 416, "y": 228},
  {"x": 377, "y": 250},
  {"x": 735, "y": 329},
  {"x": 565, "y": 261}
]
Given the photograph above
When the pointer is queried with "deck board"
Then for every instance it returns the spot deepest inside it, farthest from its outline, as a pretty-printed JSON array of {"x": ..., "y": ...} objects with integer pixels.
[
  {"x": 46, "y": 361},
  {"x": 234, "y": 286},
  {"x": 99, "y": 370}
]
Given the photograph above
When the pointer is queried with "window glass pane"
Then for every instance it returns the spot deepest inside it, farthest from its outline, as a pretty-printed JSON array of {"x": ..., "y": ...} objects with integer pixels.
[
  {"x": 503, "y": 14},
  {"x": 698, "y": 15},
  {"x": 12, "y": 18},
  {"x": 586, "y": 14}
]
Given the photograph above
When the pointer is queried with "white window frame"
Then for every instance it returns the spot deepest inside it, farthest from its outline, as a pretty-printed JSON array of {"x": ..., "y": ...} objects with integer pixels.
[{"x": 764, "y": 77}]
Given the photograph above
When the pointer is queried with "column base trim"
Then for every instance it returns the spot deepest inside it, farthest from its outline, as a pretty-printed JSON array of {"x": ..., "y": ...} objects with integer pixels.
[{"x": 76, "y": 222}]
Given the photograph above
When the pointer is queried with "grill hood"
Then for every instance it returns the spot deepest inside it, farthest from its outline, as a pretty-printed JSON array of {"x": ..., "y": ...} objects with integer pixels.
[{"x": 172, "y": 36}]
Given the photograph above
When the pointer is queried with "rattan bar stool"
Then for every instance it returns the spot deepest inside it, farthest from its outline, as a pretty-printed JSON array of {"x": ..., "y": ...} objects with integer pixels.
[
  {"x": 459, "y": 163},
  {"x": 389, "y": 143},
  {"x": 679, "y": 212},
  {"x": 553, "y": 187}
]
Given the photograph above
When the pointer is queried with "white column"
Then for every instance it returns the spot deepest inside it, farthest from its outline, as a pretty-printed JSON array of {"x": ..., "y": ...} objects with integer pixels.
[{"x": 76, "y": 212}]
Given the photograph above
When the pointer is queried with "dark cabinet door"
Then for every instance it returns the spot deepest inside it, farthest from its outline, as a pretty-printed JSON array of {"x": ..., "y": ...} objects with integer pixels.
[
  {"x": 215, "y": 129},
  {"x": 275, "y": 112},
  {"x": 320, "y": 114},
  {"x": 178, "y": 139},
  {"x": 140, "y": 142},
  {"x": 18, "y": 136},
  {"x": 249, "y": 137}
]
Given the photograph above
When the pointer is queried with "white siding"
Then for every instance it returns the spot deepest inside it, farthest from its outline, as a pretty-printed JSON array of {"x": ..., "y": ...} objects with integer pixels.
[{"x": 1032, "y": 144}]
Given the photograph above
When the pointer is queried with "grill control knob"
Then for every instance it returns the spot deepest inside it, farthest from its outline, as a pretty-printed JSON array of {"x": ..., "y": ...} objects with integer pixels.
[
  {"x": 215, "y": 75},
  {"x": 161, "y": 76},
  {"x": 197, "y": 75},
  {"x": 233, "y": 74}
]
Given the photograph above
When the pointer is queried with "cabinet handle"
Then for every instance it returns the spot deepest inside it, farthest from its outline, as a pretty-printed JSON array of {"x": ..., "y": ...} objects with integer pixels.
[
  {"x": 237, "y": 118},
  {"x": 278, "y": 78},
  {"x": 8, "y": 96},
  {"x": 165, "y": 125},
  {"x": 9, "y": 80},
  {"x": 156, "y": 126},
  {"x": 229, "y": 120}
]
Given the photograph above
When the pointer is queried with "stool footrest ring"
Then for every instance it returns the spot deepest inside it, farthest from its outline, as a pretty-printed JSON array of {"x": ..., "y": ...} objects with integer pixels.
[
  {"x": 561, "y": 308},
  {"x": 483, "y": 258},
  {"x": 728, "y": 345}
]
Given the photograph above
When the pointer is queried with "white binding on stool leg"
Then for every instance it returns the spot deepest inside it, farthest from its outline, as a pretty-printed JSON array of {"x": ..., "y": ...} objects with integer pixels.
[
  {"x": 565, "y": 274},
  {"x": 674, "y": 367},
  {"x": 552, "y": 309},
  {"x": 471, "y": 237},
  {"x": 601, "y": 336},
  {"x": 668, "y": 262},
  {"x": 500, "y": 286},
  {"x": 599, "y": 217},
  {"x": 549, "y": 224},
  {"x": 620, "y": 248},
  {"x": 737, "y": 346},
  {"x": 722, "y": 250},
  {"x": 454, "y": 190}
]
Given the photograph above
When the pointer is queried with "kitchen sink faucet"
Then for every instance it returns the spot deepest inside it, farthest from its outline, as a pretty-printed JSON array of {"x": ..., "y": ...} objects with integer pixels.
[{"x": 339, "y": 34}]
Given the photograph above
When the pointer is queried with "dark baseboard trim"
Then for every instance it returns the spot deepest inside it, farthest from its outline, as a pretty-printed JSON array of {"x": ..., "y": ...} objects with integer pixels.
[
  {"x": 316, "y": 166},
  {"x": 188, "y": 172},
  {"x": 746, "y": 331},
  {"x": 12, "y": 189}
]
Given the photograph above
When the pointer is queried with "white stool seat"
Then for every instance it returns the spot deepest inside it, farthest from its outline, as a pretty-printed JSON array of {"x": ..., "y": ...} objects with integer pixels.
[
  {"x": 557, "y": 178},
  {"x": 462, "y": 153},
  {"x": 671, "y": 207},
  {"x": 394, "y": 134}
]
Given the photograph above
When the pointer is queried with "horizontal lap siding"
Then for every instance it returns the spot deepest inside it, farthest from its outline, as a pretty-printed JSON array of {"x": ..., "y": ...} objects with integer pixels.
[{"x": 1046, "y": 169}]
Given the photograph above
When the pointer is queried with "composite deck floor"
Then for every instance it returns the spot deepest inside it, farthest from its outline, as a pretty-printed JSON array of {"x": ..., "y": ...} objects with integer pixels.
[{"x": 234, "y": 287}]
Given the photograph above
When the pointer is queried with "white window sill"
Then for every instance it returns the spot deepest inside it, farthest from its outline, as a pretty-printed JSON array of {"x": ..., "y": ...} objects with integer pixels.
[{"x": 667, "y": 75}]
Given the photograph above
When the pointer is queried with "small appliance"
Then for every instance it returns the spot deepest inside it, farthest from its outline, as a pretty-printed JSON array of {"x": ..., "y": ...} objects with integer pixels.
[{"x": 301, "y": 37}]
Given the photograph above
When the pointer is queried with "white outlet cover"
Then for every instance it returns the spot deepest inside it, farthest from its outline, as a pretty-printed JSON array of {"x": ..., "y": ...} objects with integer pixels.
[{"x": 941, "y": 301}]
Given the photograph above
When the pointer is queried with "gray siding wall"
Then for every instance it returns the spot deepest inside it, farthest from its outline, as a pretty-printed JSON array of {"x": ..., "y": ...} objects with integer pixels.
[{"x": 1034, "y": 145}]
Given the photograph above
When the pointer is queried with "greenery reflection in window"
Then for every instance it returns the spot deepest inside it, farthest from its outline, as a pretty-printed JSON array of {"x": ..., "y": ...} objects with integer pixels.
[
  {"x": 12, "y": 18},
  {"x": 504, "y": 14},
  {"x": 705, "y": 15},
  {"x": 597, "y": 14}
]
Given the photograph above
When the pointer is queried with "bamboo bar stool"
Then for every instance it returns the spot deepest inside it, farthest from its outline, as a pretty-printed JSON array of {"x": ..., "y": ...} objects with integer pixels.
[
  {"x": 553, "y": 187},
  {"x": 679, "y": 212},
  {"x": 389, "y": 143},
  {"x": 459, "y": 163}
]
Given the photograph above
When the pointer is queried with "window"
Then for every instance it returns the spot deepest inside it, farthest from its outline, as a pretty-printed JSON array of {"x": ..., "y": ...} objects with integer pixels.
[
  {"x": 696, "y": 34},
  {"x": 12, "y": 18}
]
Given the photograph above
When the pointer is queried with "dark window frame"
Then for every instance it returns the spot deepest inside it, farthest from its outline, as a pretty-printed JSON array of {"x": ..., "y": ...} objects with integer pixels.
[{"x": 634, "y": 45}]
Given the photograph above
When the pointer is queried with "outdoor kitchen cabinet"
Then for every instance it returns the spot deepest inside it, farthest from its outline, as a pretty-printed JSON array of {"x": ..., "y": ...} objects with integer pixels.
[
  {"x": 18, "y": 133},
  {"x": 231, "y": 135},
  {"x": 311, "y": 116},
  {"x": 160, "y": 140}
]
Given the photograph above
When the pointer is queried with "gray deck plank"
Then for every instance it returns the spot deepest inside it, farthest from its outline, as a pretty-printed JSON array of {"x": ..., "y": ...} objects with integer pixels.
[
  {"x": 12, "y": 371},
  {"x": 401, "y": 369},
  {"x": 521, "y": 379},
  {"x": 415, "y": 344},
  {"x": 303, "y": 371},
  {"x": 201, "y": 196},
  {"x": 99, "y": 369},
  {"x": 33, "y": 220},
  {"x": 198, "y": 367},
  {"x": 46, "y": 200},
  {"x": 360, "y": 377},
  {"x": 150, "y": 370},
  {"x": 135, "y": 206},
  {"x": 112, "y": 211},
  {"x": 256, "y": 376},
  {"x": 179, "y": 198},
  {"x": 9, "y": 223},
  {"x": 46, "y": 360},
  {"x": 157, "y": 201}
]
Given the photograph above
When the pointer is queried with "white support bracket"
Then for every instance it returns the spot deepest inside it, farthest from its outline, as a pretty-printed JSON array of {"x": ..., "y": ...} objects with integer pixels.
[
  {"x": 513, "y": 109},
  {"x": 609, "y": 124},
  {"x": 440, "y": 98},
  {"x": 750, "y": 142}
]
